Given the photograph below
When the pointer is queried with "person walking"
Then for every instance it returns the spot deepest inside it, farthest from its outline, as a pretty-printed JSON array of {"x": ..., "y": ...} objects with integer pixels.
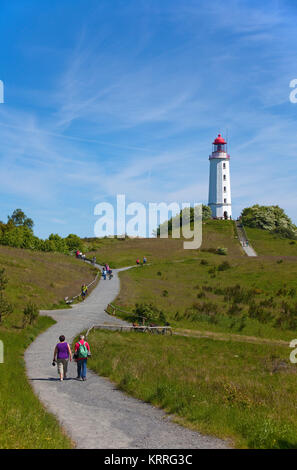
[
  {"x": 144, "y": 260},
  {"x": 137, "y": 261},
  {"x": 104, "y": 273},
  {"x": 81, "y": 354},
  {"x": 84, "y": 291},
  {"x": 62, "y": 354}
]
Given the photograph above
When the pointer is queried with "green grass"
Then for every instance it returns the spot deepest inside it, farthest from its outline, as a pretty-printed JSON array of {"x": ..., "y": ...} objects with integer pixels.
[
  {"x": 190, "y": 285},
  {"x": 45, "y": 279},
  {"x": 24, "y": 422},
  {"x": 42, "y": 278},
  {"x": 242, "y": 392},
  {"x": 120, "y": 253},
  {"x": 266, "y": 243}
]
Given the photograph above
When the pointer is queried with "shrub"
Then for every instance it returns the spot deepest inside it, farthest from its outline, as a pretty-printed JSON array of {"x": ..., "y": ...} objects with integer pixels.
[
  {"x": 222, "y": 251},
  {"x": 224, "y": 266},
  {"x": 200, "y": 295},
  {"x": 271, "y": 218},
  {"x": 149, "y": 312},
  {"x": 30, "y": 314}
]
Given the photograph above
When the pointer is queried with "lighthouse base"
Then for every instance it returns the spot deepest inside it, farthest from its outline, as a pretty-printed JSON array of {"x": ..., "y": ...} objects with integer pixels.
[{"x": 221, "y": 211}]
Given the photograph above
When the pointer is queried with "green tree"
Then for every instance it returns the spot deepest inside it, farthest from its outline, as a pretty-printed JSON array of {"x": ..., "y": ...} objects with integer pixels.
[
  {"x": 19, "y": 218},
  {"x": 271, "y": 218},
  {"x": 74, "y": 242}
]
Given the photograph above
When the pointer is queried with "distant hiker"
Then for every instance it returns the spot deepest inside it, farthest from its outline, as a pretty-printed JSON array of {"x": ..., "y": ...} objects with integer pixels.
[
  {"x": 84, "y": 291},
  {"x": 137, "y": 261},
  {"x": 110, "y": 275},
  {"x": 81, "y": 353},
  {"x": 144, "y": 260},
  {"x": 62, "y": 354},
  {"x": 107, "y": 268},
  {"x": 104, "y": 273},
  {"x": 94, "y": 260}
]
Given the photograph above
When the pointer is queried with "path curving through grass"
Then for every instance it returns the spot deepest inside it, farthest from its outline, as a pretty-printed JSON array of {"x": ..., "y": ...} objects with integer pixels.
[{"x": 95, "y": 414}]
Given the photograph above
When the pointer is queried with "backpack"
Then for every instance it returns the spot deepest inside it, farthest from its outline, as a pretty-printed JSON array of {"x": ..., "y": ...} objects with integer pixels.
[{"x": 82, "y": 351}]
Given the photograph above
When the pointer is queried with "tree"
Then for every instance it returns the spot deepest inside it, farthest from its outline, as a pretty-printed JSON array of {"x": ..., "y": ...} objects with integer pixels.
[
  {"x": 270, "y": 218},
  {"x": 19, "y": 218},
  {"x": 189, "y": 216},
  {"x": 74, "y": 242}
]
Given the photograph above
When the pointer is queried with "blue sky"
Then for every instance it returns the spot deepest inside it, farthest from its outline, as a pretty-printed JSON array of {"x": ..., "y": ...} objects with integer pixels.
[{"x": 125, "y": 97}]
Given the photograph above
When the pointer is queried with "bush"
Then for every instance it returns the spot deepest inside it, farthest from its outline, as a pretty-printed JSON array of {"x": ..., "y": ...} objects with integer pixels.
[
  {"x": 271, "y": 218},
  {"x": 222, "y": 251},
  {"x": 30, "y": 314},
  {"x": 224, "y": 266},
  {"x": 150, "y": 313},
  {"x": 204, "y": 262}
]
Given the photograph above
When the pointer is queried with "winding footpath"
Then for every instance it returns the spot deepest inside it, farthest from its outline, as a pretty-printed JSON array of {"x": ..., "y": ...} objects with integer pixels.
[{"x": 94, "y": 414}]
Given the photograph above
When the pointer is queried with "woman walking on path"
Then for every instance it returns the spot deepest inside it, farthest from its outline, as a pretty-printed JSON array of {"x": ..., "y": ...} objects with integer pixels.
[
  {"x": 62, "y": 354},
  {"x": 81, "y": 353}
]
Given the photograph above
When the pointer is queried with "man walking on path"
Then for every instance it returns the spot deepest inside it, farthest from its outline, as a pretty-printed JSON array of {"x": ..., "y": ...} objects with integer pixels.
[{"x": 81, "y": 353}]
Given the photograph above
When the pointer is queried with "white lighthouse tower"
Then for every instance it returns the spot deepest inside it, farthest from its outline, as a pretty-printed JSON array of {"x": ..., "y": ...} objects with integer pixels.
[{"x": 219, "y": 197}]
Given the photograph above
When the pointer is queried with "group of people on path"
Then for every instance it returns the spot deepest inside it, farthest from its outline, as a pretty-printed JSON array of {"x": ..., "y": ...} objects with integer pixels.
[
  {"x": 106, "y": 271},
  {"x": 63, "y": 354},
  {"x": 144, "y": 261},
  {"x": 80, "y": 255}
]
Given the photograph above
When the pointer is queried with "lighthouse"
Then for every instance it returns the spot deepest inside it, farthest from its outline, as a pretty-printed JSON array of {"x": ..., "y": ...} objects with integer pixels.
[{"x": 219, "y": 196}]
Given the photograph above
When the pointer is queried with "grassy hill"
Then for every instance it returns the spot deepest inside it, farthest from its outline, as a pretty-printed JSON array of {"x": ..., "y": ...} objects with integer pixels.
[
  {"x": 199, "y": 289},
  {"x": 231, "y": 376},
  {"x": 45, "y": 279},
  {"x": 269, "y": 244},
  {"x": 241, "y": 390}
]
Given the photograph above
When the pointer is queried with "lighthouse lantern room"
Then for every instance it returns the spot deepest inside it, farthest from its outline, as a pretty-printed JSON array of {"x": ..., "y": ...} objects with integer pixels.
[{"x": 219, "y": 197}]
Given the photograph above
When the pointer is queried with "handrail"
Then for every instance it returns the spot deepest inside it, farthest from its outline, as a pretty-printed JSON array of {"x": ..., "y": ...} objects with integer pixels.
[
  {"x": 143, "y": 329},
  {"x": 69, "y": 301}
]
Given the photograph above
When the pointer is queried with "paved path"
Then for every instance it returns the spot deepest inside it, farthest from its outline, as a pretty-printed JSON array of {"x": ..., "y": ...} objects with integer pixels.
[
  {"x": 244, "y": 240},
  {"x": 94, "y": 413}
]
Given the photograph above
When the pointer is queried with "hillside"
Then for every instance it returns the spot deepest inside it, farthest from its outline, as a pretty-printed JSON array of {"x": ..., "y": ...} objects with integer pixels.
[
  {"x": 45, "y": 279},
  {"x": 199, "y": 289},
  {"x": 42, "y": 278},
  {"x": 225, "y": 370}
]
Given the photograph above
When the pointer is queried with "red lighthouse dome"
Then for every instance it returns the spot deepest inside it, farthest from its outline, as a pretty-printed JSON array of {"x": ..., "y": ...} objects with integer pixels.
[
  {"x": 219, "y": 145},
  {"x": 219, "y": 140}
]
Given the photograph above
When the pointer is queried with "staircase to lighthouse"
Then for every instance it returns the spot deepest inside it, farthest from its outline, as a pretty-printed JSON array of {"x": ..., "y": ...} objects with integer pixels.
[{"x": 219, "y": 196}]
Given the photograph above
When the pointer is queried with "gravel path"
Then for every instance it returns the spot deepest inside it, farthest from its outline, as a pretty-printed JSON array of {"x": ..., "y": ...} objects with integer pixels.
[{"x": 94, "y": 413}]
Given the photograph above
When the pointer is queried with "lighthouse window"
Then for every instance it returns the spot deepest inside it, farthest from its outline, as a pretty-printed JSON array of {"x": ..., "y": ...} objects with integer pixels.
[
  {"x": 225, "y": 201},
  {"x": 225, "y": 177},
  {"x": 224, "y": 189},
  {"x": 224, "y": 166}
]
